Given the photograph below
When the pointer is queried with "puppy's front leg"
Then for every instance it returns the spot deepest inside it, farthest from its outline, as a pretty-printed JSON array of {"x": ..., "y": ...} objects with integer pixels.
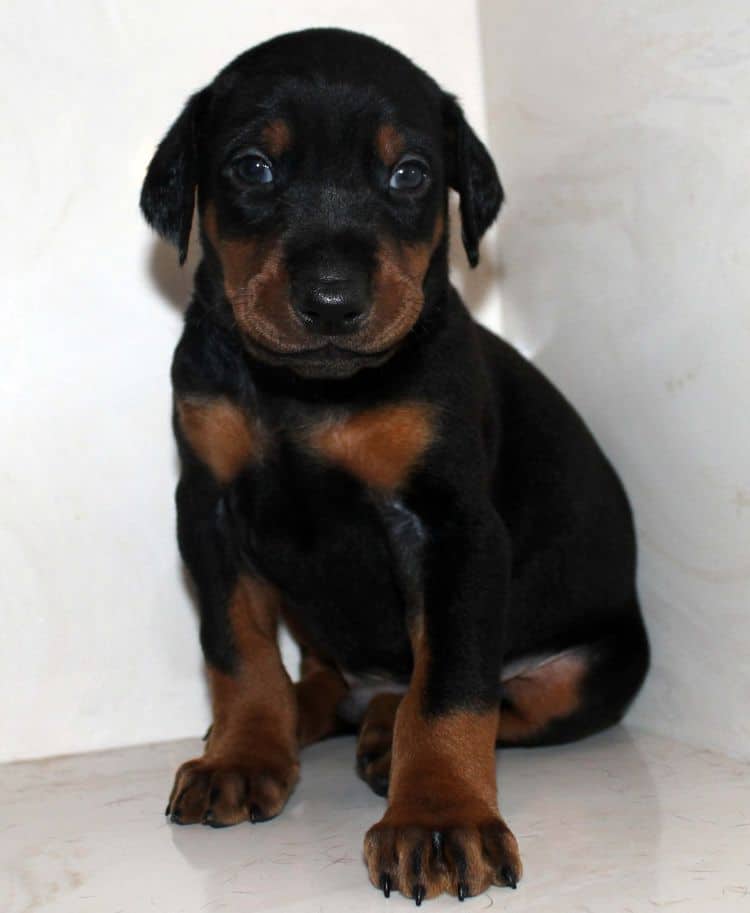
[
  {"x": 442, "y": 830},
  {"x": 250, "y": 763}
]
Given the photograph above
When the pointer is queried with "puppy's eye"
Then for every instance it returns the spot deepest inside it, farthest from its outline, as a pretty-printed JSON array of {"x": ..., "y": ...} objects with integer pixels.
[
  {"x": 410, "y": 174},
  {"x": 253, "y": 168}
]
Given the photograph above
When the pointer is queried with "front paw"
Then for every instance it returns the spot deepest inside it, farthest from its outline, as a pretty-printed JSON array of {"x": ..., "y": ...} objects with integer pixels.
[
  {"x": 423, "y": 856},
  {"x": 225, "y": 791}
]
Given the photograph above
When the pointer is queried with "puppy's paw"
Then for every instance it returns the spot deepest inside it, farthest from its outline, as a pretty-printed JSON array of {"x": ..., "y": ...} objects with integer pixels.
[
  {"x": 225, "y": 791},
  {"x": 375, "y": 769},
  {"x": 375, "y": 741},
  {"x": 424, "y": 858},
  {"x": 374, "y": 759}
]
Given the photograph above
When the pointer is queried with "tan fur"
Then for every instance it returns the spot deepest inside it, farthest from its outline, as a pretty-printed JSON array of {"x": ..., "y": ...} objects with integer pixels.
[
  {"x": 257, "y": 286},
  {"x": 277, "y": 137},
  {"x": 319, "y": 693},
  {"x": 463, "y": 741},
  {"x": 220, "y": 434},
  {"x": 375, "y": 738},
  {"x": 381, "y": 447},
  {"x": 547, "y": 692},
  {"x": 250, "y": 760},
  {"x": 442, "y": 779},
  {"x": 389, "y": 144},
  {"x": 397, "y": 286}
]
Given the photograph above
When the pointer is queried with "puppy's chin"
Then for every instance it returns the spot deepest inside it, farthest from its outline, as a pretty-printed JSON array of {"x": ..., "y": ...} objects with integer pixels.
[{"x": 326, "y": 363}]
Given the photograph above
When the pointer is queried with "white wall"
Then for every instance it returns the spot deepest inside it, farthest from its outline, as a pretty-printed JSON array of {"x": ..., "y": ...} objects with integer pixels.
[
  {"x": 99, "y": 643},
  {"x": 623, "y": 135}
]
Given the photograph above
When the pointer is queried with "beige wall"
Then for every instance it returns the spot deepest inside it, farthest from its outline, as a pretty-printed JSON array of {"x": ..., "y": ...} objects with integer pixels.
[
  {"x": 99, "y": 642},
  {"x": 623, "y": 135}
]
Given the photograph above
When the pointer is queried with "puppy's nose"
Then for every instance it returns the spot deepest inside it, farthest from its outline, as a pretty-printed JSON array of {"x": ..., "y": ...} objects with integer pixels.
[{"x": 333, "y": 306}]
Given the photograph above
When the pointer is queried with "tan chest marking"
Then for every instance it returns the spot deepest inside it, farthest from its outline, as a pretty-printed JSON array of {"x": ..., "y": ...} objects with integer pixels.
[
  {"x": 381, "y": 446},
  {"x": 220, "y": 434}
]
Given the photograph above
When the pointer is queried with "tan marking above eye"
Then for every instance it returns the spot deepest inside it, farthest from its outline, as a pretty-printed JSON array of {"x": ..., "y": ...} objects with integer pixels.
[
  {"x": 220, "y": 434},
  {"x": 381, "y": 446},
  {"x": 389, "y": 144},
  {"x": 277, "y": 137}
]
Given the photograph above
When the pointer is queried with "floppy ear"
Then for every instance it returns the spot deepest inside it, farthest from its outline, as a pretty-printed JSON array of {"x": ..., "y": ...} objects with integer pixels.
[
  {"x": 168, "y": 192},
  {"x": 472, "y": 173}
]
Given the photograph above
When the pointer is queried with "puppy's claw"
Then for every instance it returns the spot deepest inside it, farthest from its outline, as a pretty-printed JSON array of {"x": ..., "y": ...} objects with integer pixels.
[
  {"x": 385, "y": 885},
  {"x": 419, "y": 894},
  {"x": 462, "y": 892},
  {"x": 379, "y": 786},
  {"x": 509, "y": 877}
]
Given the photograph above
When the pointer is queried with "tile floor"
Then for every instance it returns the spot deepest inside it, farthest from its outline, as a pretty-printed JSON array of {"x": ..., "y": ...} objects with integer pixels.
[{"x": 622, "y": 823}]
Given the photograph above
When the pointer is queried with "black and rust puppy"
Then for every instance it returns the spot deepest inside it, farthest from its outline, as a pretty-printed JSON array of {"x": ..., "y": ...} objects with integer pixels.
[{"x": 433, "y": 521}]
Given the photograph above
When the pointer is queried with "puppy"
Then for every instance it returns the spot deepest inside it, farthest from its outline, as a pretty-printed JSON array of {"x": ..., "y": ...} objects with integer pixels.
[{"x": 427, "y": 514}]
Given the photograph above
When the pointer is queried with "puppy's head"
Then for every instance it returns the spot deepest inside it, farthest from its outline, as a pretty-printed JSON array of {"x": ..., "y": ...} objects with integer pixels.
[{"x": 322, "y": 161}]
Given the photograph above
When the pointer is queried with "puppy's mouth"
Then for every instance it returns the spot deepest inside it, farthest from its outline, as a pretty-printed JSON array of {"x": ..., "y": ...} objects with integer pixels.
[{"x": 327, "y": 361}]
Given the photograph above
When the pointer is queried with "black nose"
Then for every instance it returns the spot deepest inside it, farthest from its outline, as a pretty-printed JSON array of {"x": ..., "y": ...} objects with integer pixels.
[{"x": 333, "y": 306}]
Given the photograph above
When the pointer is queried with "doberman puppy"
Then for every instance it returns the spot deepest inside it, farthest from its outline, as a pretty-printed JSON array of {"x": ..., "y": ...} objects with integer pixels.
[{"x": 360, "y": 459}]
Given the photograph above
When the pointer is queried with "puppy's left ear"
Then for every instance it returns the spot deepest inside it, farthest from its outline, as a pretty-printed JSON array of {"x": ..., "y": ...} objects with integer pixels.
[
  {"x": 470, "y": 171},
  {"x": 168, "y": 192}
]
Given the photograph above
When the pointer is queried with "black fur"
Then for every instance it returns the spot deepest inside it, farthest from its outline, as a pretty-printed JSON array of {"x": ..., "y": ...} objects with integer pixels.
[
  {"x": 472, "y": 173},
  {"x": 168, "y": 193}
]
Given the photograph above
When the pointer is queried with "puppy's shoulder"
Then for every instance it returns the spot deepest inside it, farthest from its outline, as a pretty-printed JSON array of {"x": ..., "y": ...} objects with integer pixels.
[{"x": 208, "y": 357}]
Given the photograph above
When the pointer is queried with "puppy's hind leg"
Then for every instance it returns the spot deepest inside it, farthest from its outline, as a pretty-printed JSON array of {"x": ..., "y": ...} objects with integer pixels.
[{"x": 575, "y": 692}]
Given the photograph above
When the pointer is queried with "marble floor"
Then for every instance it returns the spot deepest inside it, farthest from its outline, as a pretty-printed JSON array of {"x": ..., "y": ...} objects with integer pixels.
[{"x": 622, "y": 823}]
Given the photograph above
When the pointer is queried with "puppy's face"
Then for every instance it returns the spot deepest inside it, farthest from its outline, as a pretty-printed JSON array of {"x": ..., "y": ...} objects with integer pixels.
[
  {"x": 322, "y": 207},
  {"x": 321, "y": 161}
]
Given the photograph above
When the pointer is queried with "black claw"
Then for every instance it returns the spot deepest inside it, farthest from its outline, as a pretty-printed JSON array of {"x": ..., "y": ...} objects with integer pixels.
[
  {"x": 255, "y": 814},
  {"x": 166, "y": 810},
  {"x": 175, "y": 817},
  {"x": 364, "y": 760},
  {"x": 508, "y": 876},
  {"x": 419, "y": 893},
  {"x": 463, "y": 892},
  {"x": 385, "y": 885},
  {"x": 379, "y": 785}
]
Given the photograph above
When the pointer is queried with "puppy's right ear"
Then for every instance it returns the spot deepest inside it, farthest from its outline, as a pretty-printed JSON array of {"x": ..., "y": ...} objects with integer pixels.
[{"x": 168, "y": 192}]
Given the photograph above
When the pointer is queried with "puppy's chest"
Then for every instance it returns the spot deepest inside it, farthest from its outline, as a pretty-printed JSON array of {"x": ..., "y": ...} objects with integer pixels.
[
  {"x": 315, "y": 505},
  {"x": 379, "y": 447}
]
